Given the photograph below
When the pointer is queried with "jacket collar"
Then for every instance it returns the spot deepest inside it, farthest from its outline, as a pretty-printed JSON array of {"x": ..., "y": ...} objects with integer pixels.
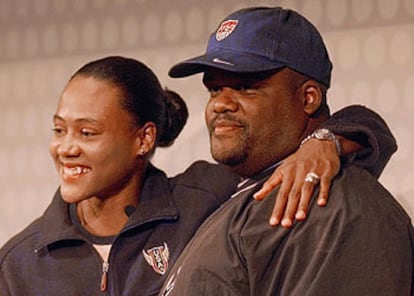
[
  {"x": 155, "y": 204},
  {"x": 155, "y": 200}
]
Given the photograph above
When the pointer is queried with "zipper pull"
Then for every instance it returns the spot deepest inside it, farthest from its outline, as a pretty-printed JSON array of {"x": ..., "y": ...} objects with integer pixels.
[{"x": 104, "y": 279}]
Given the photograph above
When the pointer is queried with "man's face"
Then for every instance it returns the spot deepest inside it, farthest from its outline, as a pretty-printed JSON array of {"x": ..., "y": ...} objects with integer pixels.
[
  {"x": 253, "y": 120},
  {"x": 93, "y": 141}
]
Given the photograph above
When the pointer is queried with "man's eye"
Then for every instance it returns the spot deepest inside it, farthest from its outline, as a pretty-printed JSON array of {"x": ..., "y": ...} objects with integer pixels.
[
  {"x": 245, "y": 88},
  {"x": 214, "y": 91},
  {"x": 87, "y": 133}
]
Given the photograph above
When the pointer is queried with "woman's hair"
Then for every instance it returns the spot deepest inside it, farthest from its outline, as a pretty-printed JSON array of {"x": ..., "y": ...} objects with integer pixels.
[{"x": 142, "y": 95}]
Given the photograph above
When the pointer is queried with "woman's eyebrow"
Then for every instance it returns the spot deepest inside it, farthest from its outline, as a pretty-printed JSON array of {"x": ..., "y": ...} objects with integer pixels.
[{"x": 81, "y": 120}]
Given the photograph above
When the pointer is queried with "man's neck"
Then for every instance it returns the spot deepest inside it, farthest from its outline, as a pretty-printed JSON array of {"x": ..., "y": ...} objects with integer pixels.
[{"x": 248, "y": 173}]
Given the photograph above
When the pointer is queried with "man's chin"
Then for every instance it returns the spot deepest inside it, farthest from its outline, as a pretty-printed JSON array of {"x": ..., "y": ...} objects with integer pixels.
[{"x": 229, "y": 159}]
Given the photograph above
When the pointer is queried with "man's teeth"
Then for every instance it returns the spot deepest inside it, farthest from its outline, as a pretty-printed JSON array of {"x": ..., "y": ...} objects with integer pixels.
[{"x": 75, "y": 171}]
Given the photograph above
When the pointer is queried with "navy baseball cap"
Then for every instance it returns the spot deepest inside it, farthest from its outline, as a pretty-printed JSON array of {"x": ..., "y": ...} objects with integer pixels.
[{"x": 260, "y": 39}]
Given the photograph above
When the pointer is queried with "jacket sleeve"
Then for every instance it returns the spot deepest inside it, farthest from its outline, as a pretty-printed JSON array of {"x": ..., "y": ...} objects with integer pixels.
[
  {"x": 4, "y": 291},
  {"x": 366, "y": 127},
  {"x": 361, "y": 245},
  {"x": 214, "y": 178}
]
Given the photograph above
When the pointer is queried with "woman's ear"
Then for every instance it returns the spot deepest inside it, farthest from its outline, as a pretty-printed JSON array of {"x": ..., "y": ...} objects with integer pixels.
[
  {"x": 313, "y": 96},
  {"x": 146, "y": 138}
]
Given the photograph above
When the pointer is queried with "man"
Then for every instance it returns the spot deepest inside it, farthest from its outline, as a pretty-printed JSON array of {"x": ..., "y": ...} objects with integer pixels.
[{"x": 267, "y": 70}]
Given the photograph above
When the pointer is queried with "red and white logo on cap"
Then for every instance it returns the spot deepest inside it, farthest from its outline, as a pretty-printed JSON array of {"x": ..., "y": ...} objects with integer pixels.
[{"x": 225, "y": 29}]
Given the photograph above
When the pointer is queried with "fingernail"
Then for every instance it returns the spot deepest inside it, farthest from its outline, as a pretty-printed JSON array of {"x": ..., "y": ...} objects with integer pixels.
[
  {"x": 321, "y": 202},
  {"x": 300, "y": 215},
  {"x": 274, "y": 221},
  {"x": 286, "y": 222}
]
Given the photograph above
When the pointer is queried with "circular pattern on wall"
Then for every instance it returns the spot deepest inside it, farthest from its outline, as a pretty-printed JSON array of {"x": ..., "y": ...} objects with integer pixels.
[
  {"x": 362, "y": 10},
  {"x": 173, "y": 26},
  {"x": 388, "y": 8},
  {"x": 151, "y": 32},
  {"x": 313, "y": 9},
  {"x": 130, "y": 31},
  {"x": 336, "y": 11},
  {"x": 110, "y": 33},
  {"x": 89, "y": 35},
  {"x": 12, "y": 43},
  {"x": 408, "y": 94},
  {"x": 374, "y": 50},
  {"x": 348, "y": 52},
  {"x": 30, "y": 42},
  {"x": 195, "y": 24},
  {"x": 362, "y": 93},
  {"x": 387, "y": 96},
  {"x": 50, "y": 39},
  {"x": 401, "y": 48},
  {"x": 70, "y": 37}
]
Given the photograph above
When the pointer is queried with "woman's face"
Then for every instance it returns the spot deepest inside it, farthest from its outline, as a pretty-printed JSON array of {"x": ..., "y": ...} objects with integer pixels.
[{"x": 94, "y": 144}]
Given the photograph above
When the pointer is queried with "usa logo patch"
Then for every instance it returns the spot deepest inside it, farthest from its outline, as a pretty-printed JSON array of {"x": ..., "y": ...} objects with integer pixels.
[
  {"x": 157, "y": 258},
  {"x": 225, "y": 29}
]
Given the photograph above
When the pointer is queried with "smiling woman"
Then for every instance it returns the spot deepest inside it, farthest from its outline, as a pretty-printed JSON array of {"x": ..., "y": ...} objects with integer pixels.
[
  {"x": 96, "y": 146},
  {"x": 103, "y": 139},
  {"x": 112, "y": 206}
]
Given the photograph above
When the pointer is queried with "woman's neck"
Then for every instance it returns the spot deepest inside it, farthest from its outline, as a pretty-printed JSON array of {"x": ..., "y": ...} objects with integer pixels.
[
  {"x": 107, "y": 216},
  {"x": 103, "y": 217}
]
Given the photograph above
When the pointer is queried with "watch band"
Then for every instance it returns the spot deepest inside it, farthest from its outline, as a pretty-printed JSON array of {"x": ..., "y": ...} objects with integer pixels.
[{"x": 324, "y": 134}]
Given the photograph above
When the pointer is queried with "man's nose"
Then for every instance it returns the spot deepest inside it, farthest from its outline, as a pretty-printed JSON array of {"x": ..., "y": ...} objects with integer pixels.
[{"x": 225, "y": 101}]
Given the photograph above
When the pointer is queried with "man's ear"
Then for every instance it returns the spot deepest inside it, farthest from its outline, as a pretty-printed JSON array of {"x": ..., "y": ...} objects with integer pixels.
[
  {"x": 312, "y": 94},
  {"x": 145, "y": 138}
]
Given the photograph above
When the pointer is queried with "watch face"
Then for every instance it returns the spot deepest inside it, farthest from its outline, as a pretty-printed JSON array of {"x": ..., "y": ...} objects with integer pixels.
[{"x": 323, "y": 133}]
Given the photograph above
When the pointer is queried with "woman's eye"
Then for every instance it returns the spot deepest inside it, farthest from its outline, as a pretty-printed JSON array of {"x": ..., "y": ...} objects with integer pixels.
[{"x": 57, "y": 130}]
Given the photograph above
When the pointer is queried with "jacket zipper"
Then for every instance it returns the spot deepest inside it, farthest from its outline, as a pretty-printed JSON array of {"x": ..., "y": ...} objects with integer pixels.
[{"x": 104, "y": 278}]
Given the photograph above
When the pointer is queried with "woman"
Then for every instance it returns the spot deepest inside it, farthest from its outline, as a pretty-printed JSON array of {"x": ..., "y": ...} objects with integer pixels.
[{"x": 117, "y": 223}]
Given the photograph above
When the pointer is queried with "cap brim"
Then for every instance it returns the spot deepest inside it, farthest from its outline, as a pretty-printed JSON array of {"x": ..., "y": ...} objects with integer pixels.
[{"x": 224, "y": 60}]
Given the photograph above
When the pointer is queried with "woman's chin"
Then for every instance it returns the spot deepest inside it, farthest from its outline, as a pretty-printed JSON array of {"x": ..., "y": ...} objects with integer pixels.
[{"x": 71, "y": 197}]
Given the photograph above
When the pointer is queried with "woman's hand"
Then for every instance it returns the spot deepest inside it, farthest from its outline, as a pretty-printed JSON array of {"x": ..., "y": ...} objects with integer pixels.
[{"x": 292, "y": 201}]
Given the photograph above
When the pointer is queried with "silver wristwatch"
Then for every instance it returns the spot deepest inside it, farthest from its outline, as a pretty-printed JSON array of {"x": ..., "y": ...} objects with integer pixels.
[{"x": 324, "y": 134}]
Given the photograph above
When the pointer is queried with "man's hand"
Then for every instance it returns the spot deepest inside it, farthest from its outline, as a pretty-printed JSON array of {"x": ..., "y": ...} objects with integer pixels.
[{"x": 292, "y": 201}]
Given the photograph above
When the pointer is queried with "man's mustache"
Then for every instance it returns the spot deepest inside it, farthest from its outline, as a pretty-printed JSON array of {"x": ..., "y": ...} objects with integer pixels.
[{"x": 225, "y": 119}]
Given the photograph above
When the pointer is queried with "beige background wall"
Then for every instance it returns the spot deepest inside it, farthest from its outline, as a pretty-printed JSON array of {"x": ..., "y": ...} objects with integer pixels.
[{"x": 43, "y": 41}]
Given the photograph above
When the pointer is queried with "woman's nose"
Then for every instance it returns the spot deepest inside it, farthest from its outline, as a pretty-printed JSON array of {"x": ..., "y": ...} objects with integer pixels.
[{"x": 67, "y": 147}]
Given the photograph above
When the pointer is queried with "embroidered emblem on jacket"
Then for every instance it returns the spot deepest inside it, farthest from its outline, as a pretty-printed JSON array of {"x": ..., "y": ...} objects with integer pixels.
[
  {"x": 157, "y": 258},
  {"x": 225, "y": 29}
]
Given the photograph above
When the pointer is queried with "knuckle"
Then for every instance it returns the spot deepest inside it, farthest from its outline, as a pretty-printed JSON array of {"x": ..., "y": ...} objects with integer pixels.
[{"x": 295, "y": 194}]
